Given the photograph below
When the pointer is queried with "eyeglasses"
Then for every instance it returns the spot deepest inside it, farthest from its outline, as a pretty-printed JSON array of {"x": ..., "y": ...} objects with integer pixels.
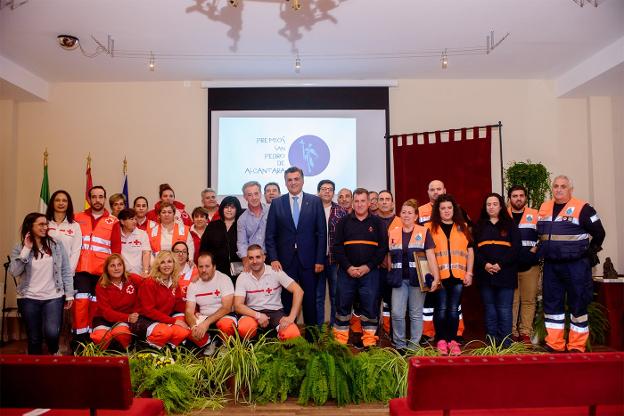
[
  {"x": 323, "y": 189},
  {"x": 180, "y": 252}
]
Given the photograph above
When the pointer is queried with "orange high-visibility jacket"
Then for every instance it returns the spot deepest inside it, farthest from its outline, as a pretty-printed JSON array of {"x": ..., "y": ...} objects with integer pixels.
[
  {"x": 563, "y": 237},
  {"x": 179, "y": 234},
  {"x": 424, "y": 213},
  {"x": 96, "y": 241},
  {"x": 455, "y": 260}
]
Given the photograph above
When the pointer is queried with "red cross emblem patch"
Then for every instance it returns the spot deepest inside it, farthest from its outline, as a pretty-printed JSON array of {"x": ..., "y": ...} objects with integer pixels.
[
  {"x": 217, "y": 293},
  {"x": 130, "y": 289},
  {"x": 109, "y": 220}
]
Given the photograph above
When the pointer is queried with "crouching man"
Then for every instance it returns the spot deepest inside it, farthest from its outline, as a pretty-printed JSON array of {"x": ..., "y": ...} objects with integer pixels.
[
  {"x": 258, "y": 301},
  {"x": 213, "y": 294}
]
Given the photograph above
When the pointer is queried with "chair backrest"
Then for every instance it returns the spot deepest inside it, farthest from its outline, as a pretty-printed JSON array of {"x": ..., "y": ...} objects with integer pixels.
[
  {"x": 496, "y": 382},
  {"x": 65, "y": 382}
]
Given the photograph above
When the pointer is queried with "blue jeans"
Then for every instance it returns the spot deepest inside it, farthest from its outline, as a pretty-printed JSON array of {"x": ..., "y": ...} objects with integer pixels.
[
  {"x": 329, "y": 276},
  {"x": 43, "y": 318},
  {"x": 407, "y": 297},
  {"x": 498, "y": 303},
  {"x": 446, "y": 313}
]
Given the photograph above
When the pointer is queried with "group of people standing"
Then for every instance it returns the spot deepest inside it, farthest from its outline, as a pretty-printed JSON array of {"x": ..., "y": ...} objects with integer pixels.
[{"x": 165, "y": 277}]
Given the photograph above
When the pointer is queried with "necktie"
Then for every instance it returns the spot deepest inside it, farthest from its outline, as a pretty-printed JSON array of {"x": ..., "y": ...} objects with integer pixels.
[{"x": 295, "y": 210}]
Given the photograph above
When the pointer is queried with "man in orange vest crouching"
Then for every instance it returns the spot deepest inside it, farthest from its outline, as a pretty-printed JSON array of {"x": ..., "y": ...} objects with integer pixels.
[
  {"x": 571, "y": 235},
  {"x": 98, "y": 243}
]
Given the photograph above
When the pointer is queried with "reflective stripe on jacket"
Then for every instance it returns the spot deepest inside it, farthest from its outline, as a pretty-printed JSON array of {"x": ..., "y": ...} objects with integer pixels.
[
  {"x": 155, "y": 236},
  {"x": 455, "y": 260},
  {"x": 562, "y": 237},
  {"x": 527, "y": 227},
  {"x": 96, "y": 241},
  {"x": 395, "y": 245},
  {"x": 424, "y": 213}
]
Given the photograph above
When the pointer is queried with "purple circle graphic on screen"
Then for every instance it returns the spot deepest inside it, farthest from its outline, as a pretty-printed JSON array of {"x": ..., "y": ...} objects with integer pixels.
[{"x": 310, "y": 153}]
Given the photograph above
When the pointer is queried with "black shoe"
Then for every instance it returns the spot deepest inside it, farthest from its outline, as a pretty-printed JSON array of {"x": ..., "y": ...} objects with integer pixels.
[
  {"x": 358, "y": 344},
  {"x": 425, "y": 341},
  {"x": 550, "y": 349}
]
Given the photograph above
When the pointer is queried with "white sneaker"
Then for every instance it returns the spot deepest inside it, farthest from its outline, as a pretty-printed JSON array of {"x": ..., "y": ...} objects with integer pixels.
[{"x": 210, "y": 349}]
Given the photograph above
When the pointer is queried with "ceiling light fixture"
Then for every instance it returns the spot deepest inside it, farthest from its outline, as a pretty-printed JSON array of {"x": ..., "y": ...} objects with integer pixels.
[
  {"x": 71, "y": 42},
  {"x": 297, "y": 64},
  {"x": 295, "y": 4}
]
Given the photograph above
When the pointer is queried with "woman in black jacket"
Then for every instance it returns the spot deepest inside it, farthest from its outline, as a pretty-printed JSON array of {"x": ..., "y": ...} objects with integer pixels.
[
  {"x": 219, "y": 238},
  {"x": 497, "y": 243}
]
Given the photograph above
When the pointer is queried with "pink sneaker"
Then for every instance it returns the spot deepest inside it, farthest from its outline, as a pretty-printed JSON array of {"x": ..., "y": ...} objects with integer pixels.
[
  {"x": 442, "y": 347},
  {"x": 454, "y": 348}
]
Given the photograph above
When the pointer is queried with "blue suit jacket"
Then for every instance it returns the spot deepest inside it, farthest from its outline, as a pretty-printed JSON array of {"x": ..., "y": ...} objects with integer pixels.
[{"x": 310, "y": 236}]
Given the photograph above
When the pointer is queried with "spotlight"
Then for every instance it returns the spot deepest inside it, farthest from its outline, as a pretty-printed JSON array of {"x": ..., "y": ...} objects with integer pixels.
[{"x": 68, "y": 42}]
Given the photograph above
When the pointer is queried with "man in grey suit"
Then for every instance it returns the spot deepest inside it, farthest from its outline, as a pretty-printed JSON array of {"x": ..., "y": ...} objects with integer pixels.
[{"x": 296, "y": 240}]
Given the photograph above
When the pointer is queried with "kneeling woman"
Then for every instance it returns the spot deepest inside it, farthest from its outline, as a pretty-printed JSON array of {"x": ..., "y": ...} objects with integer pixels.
[
  {"x": 404, "y": 242},
  {"x": 156, "y": 305},
  {"x": 496, "y": 264},
  {"x": 117, "y": 307}
]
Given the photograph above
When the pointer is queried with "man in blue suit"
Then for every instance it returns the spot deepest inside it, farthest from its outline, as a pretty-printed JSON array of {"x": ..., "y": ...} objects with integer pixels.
[{"x": 296, "y": 240}]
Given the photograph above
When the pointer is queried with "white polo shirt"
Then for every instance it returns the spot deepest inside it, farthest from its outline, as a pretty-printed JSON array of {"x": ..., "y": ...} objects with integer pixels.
[
  {"x": 132, "y": 247},
  {"x": 209, "y": 295},
  {"x": 265, "y": 292}
]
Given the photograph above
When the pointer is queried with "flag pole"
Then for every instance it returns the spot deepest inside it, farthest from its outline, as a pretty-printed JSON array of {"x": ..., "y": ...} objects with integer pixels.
[
  {"x": 89, "y": 182},
  {"x": 44, "y": 193},
  {"x": 124, "y": 186}
]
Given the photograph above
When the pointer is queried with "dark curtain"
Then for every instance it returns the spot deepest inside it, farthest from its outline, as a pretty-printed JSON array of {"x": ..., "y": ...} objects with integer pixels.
[{"x": 464, "y": 165}]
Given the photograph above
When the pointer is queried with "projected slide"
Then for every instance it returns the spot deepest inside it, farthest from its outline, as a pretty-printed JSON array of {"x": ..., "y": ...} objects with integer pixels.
[{"x": 261, "y": 148}]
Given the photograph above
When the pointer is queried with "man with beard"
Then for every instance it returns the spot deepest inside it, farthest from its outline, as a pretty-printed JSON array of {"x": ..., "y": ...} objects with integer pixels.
[
  {"x": 213, "y": 294},
  {"x": 528, "y": 268},
  {"x": 98, "y": 242}
]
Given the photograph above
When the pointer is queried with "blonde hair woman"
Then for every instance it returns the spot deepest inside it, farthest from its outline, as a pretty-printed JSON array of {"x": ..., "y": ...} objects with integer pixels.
[{"x": 156, "y": 304}]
